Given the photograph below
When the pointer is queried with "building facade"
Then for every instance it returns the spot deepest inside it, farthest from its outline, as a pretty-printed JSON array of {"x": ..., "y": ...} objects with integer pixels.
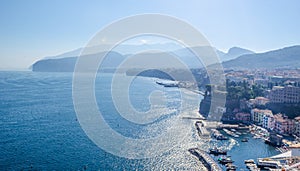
[
  {"x": 287, "y": 94},
  {"x": 283, "y": 125},
  {"x": 257, "y": 115}
]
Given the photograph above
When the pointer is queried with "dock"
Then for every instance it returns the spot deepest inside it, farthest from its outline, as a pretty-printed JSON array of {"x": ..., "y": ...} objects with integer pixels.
[
  {"x": 205, "y": 159},
  {"x": 232, "y": 126},
  {"x": 202, "y": 131}
]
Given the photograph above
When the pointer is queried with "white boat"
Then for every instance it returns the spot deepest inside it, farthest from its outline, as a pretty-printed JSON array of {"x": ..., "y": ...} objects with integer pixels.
[
  {"x": 266, "y": 162},
  {"x": 249, "y": 161},
  {"x": 238, "y": 133}
]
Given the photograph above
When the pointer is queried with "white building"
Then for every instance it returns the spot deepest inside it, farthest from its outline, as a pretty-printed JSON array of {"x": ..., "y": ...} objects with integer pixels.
[{"x": 268, "y": 121}]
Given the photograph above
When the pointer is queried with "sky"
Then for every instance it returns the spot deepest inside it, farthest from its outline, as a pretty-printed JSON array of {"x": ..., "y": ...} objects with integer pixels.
[{"x": 33, "y": 29}]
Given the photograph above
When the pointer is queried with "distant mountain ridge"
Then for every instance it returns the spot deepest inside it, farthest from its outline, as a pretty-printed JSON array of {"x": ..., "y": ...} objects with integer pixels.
[
  {"x": 235, "y": 52},
  {"x": 66, "y": 62},
  {"x": 288, "y": 57},
  {"x": 235, "y": 58}
]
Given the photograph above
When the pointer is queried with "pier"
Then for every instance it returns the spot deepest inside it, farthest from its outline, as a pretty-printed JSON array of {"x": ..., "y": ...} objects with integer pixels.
[
  {"x": 202, "y": 131},
  {"x": 205, "y": 159},
  {"x": 232, "y": 126}
]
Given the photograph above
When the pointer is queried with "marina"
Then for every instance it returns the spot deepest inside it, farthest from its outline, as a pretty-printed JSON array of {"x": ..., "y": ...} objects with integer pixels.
[
  {"x": 238, "y": 149},
  {"x": 235, "y": 154}
]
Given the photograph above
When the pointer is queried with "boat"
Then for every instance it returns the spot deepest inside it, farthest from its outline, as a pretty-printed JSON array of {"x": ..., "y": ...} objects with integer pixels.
[
  {"x": 249, "y": 161},
  {"x": 216, "y": 151},
  {"x": 266, "y": 162},
  {"x": 171, "y": 84},
  {"x": 245, "y": 140},
  {"x": 230, "y": 133},
  {"x": 225, "y": 160},
  {"x": 222, "y": 137},
  {"x": 230, "y": 166},
  {"x": 236, "y": 136},
  {"x": 217, "y": 135},
  {"x": 251, "y": 165},
  {"x": 238, "y": 133}
]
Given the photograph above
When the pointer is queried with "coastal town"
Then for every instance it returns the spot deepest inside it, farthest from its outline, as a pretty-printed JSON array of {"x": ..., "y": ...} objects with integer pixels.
[{"x": 264, "y": 104}]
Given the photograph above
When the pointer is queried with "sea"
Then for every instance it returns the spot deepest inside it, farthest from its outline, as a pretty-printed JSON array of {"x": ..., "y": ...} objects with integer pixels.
[{"x": 40, "y": 130}]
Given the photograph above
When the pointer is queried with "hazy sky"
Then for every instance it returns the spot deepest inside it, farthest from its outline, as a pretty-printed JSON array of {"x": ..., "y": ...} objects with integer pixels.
[{"x": 32, "y": 29}]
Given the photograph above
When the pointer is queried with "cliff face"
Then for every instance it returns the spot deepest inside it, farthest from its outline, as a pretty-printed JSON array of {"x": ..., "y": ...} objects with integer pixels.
[
  {"x": 55, "y": 65},
  {"x": 205, "y": 106}
]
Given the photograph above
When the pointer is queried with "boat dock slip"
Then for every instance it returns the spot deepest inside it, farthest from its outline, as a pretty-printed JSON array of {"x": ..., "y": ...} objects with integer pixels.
[{"x": 206, "y": 160}]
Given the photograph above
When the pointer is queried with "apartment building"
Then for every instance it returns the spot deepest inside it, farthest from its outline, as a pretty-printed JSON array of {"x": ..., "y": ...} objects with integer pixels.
[
  {"x": 287, "y": 94},
  {"x": 283, "y": 125}
]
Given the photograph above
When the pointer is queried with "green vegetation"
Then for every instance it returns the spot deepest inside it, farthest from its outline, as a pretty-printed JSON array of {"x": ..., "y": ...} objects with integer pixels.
[{"x": 242, "y": 90}]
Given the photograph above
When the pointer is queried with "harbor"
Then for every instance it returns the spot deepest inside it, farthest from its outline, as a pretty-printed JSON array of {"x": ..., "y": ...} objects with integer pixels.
[{"x": 240, "y": 147}]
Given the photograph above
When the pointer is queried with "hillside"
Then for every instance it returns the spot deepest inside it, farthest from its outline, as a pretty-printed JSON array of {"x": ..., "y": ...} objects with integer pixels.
[
  {"x": 235, "y": 52},
  {"x": 67, "y": 64},
  {"x": 288, "y": 57}
]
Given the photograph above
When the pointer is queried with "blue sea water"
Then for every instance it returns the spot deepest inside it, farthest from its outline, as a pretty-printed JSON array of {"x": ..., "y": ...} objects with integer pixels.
[{"x": 39, "y": 129}]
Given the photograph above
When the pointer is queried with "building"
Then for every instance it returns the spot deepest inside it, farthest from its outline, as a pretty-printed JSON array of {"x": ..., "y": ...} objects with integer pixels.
[
  {"x": 257, "y": 115},
  {"x": 287, "y": 94},
  {"x": 283, "y": 125},
  {"x": 268, "y": 121},
  {"x": 297, "y": 126},
  {"x": 243, "y": 117},
  {"x": 258, "y": 101}
]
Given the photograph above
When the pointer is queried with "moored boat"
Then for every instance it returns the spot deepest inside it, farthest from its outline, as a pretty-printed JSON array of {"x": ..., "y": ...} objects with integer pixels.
[
  {"x": 225, "y": 160},
  {"x": 245, "y": 140},
  {"x": 217, "y": 151}
]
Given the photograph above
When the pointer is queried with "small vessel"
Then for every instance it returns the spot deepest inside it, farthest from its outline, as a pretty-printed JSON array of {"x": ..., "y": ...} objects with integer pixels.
[
  {"x": 225, "y": 160},
  {"x": 216, "y": 151},
  {"x": 236, "y": 136},
  {"x": 238, "y": 133},
  {"x": 230, "y": 166},
  {"x": 230, "y": 133},
  {"x": 245, "y": 140},
  {"x": 217, "y": 135},
  {"x": 222, "y": 137},
  {"x": 251, "y": 166},
  {"x": 249, "y": 161}
]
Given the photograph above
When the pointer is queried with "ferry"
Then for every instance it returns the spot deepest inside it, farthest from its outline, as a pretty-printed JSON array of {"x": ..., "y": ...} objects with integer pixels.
[{"x": 266, "y": 162}]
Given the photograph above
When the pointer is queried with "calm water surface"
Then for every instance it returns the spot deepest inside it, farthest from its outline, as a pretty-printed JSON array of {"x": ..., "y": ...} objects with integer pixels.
[{"x": 39, "y": 129}]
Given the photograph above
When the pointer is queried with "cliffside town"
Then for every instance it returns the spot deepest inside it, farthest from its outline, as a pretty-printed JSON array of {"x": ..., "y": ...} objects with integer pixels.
[{"x": 270, "y": 99}]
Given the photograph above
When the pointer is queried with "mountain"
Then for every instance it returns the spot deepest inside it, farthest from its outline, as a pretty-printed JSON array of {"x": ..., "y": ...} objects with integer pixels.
[
  {"x": 67, "y": 64},
  {"x": 235, "y": 52},
  {"x": 288, "y": 57}
]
